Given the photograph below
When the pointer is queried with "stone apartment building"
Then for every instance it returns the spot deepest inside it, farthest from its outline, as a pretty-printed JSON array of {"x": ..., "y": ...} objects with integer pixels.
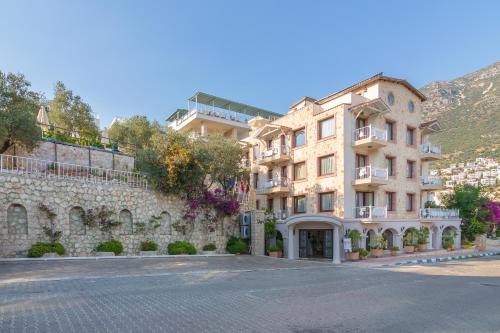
[{"x": 356, "y": 159}]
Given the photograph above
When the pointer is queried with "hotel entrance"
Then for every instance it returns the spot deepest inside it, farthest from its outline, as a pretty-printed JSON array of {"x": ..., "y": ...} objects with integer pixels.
[{"x": 316, "y": 243}]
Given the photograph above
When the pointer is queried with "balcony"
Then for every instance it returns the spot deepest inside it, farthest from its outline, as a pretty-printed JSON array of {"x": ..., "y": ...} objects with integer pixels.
[
  {"x": 439, "y": 213},
  {"x": 369, "y": 138},
  {"x": 281, "y": 215},
  {"x": 368, "y": 177},
  {"x": 274, "y": 155},
  {"x": 430, "y": 152},
  {"x": 431, "y": 183},
  {"x": 370, "y": 212},
  {"x": 245, "y": 163},
  {"x": 274, "y": 186}
]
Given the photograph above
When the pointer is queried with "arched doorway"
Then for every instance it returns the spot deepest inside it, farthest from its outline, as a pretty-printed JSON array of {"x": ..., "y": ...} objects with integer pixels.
[
  {"x": 450, "y": 234},
  {"x": 388, "y": 235},
  {"x": 370, "y": 235}
]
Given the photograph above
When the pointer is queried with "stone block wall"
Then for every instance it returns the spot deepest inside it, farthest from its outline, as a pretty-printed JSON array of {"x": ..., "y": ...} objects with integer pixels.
[
  {"x": 21, "y": 220},
  {"x": 75, "y": 154}
]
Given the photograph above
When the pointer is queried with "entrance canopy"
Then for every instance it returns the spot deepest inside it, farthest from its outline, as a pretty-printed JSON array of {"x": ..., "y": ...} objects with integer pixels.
[{"x": 304, "y": 218}]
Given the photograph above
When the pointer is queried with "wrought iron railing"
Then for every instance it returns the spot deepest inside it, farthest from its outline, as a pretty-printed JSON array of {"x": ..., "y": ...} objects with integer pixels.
[
  {"x": 428, "y": 148},
  {"x": 370, "y": 212},
  {"x": 370, "y": 132},
  {"x": 369, "y": 172},
  {"x": 56, "y": 170}
]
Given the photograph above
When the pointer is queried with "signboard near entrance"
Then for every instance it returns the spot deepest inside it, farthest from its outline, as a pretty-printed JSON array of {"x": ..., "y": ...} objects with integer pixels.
[{"x": 347, "y": 245}]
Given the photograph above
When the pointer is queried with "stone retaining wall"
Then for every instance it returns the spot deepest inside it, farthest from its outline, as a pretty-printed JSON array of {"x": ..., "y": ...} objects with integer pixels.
[
  {"x": 74, "y": 154},
  {"x": 21, "y": 220}
]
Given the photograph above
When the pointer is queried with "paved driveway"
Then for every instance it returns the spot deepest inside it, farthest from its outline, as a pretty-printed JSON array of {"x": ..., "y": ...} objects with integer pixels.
[{"x": 246, "y": 294}]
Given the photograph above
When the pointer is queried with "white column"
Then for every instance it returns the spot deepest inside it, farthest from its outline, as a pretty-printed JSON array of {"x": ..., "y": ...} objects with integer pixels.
[
  {"x": 291, "y": 250},
  {"x": 430, "y": 245},
  {"x": 336, "y": 245}
]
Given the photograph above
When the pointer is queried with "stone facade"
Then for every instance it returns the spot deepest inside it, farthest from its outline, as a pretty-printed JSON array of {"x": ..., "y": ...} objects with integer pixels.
[
  {"x": 21, "y": 220},
  {"x": 74, "y": 154}
]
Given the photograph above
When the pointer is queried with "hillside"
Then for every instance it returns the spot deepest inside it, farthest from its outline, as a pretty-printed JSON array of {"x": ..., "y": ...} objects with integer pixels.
[{"x": 468, "y": 109}]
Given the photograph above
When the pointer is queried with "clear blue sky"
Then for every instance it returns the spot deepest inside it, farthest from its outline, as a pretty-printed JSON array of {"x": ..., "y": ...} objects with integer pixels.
[{"x": 148, "y": 57}]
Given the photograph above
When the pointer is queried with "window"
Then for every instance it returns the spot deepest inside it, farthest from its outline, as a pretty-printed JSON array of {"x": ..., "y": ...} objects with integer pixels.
[
  {"x": 299, "y": 171},
  {"x": 299, "y": 137},
  {"x": 326, "y": 165},
  {"x": 284, "y": 172},
  {"x": 256, "y": 152},
  {"x": 390, "y": 201},
  {"x": 326, "y": 128},
  {"x": 255, "y": 180},
  {"x": 410, "y": 165},
  {"x": 299, "y": 204},
  {"x": 411, "y": 106},
  {"x": 390, "y": 98},
  {"x": 410, "y": 136},
  {"x": 326, "y": 202},
  {"x": 389, "y": 128},
  {"x": 270, "y": 204},
  {"x": 365, "y": 199},
  {"x": 270, "y": 174},
  {"x": 389, "y": 161},
  {"x": 257, "y": 204},
  {"x": 409, "y": 201},
  {"x": 283, "y": 203},
  {"x": 269, "y": 144}
]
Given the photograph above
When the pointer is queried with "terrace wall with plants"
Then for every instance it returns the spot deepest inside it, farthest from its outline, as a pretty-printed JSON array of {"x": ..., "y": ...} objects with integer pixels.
[
  {"x": 75, "y": 154},
  {"x": 34, "y": 210}
]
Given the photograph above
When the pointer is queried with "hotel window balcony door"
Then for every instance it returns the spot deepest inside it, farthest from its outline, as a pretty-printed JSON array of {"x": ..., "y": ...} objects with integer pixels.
[
  {"x": 365, "y": 199},
  {"x": 361, "y": 161},
  {"x": 360, "y": 123}
]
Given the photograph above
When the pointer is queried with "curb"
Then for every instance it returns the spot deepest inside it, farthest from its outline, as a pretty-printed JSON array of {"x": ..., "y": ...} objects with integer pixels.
[
  {"x": 439, "y": 259},
  {"x": 117, "y": 257}
]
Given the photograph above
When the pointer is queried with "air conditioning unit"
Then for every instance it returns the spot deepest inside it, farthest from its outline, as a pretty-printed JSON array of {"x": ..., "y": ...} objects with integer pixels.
[
  {"x": 245, "y": 232},
  {"x": 246, "y": 218}
]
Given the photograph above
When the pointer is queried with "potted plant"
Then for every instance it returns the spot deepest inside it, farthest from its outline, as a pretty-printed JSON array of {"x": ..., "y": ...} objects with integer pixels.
[
  {"x": 210, "y": 249},
  {"x": 394, "y": 250},
  {"x": 377, "y": 246},
  {"x": 448, "y": 240},
  {"x": 355, "y": 237},
  {"x": 148, "y": 248},
  {"x": 409, "y": 241},
  {"x": 276, "y": 250},
  {"x": 422, "y": 237},
  {"x": 363, "y": 254}
]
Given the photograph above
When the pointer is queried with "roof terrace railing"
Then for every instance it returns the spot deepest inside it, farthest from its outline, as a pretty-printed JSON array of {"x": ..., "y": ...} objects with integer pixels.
[{"x": 56, "y": 170}]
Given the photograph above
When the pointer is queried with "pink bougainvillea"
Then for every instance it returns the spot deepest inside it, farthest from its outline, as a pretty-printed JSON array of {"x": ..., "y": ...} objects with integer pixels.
[
  {"x": 223, "y": 202},
  {"x": 494, "y": 208}
]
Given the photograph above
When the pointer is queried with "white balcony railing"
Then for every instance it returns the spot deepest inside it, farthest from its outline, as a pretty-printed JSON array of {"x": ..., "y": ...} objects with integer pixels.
[
  {"x": 272, "y": 183},
  {"x": 56, "y": 170},
  {"x": 212, "y": 112},
  {"x": 440, "y": 213},
  {"x": 370, "y": 212},
  {"x": 281, "y": 214},
  {"x": 437, "y": 181},
  {"x": 428, "y": 148},
  {"x": 370, "y": 132},
  {"x": 274, "y": 151},
  {"x": 369, "y": 172}
]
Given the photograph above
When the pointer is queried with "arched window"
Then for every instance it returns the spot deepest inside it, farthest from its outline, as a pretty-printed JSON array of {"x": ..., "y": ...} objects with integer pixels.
[
  {"x": 17, "y": 220},
  {"x": 126, "y": 222},
  {"x": 166, "y": 223},
  {"x": 76, "y": 223}
]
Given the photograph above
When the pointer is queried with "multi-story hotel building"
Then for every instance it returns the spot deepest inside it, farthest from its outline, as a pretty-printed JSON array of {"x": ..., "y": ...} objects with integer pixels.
[{"x": 356, "y": 159}]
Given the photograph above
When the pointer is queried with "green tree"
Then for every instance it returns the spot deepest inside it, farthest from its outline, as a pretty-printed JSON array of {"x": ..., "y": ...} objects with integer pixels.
[
  {"x": 70, "y": 112},
  {"x": 469, "y": 200},
  {"x": 18, "y": 109},
  {"x": 137, "y": 130}
]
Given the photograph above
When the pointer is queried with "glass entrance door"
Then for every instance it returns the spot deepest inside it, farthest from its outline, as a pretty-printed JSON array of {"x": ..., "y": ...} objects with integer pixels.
[{"x": 316, "y": 243}]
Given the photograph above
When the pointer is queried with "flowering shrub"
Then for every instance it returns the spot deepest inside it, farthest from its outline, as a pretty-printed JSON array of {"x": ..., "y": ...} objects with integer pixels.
[
  {"x": 221, "y": 201},
  {"x": 494, "y": 208}
]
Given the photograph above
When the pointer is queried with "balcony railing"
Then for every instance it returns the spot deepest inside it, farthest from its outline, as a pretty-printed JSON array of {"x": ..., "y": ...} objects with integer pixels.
[
  {"x": 370, "y": 132},
  {"x": 269, "y": 185},
  {"x": 56, "y": 170},
  {"x": 274, "y": 151},
  {"x": 371, "y": 172},
  {"x": 213, "y": 112},
  {"x": 281, "y": 214},
  {"x": 370, "y": 212},
  {"x": 431, "y": 181},
  {"x": 439, "y": 213},
  {"x": 428, "y": 148}
]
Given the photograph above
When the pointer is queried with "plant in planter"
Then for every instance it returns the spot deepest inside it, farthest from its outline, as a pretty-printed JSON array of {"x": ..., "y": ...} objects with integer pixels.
[
  {"x": 377, "y": 246},
  {"x": 276, "y": 250},
  {"x": 39, "y": 249},
  {"x": 422, "y": 237},
  {"x": 181, "y": 247},
  {"x": 394, "y": 250},
  {"x": 114, "y": 246},
  {"x": 409, "y": 240},
  {"x": 448, "y": 240},
  {"x": 209, "y": 248},
  {"x": 363, "y": 254},
  {"x": 355, "y": 237},
  {"x": 236, "y": 245}
]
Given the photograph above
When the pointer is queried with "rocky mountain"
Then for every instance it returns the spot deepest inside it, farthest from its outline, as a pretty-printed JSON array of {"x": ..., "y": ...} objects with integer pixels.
[{"x": 468, "y": 109}]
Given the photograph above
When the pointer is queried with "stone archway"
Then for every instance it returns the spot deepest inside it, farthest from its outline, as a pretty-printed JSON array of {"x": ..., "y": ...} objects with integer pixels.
[
  {"x": 297, "y": 223},
  {"x": 452, "y": 231},
  {"x": 389, "y": 235}
]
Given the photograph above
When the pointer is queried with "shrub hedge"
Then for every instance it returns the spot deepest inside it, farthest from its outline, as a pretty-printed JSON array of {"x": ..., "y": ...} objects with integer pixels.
[
  {"x": 110, "y": 246},
  {"x": 181, "y": 247},
  {"x": 39, "y": 249},
  {"x": 210, "y": 247},
  {"x": 236, "y": 245},
  {"x": 149, "y": 246}
]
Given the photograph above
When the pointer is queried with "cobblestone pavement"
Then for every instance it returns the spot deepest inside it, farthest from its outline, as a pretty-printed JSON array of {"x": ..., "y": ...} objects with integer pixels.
[{"x": 247, "y": 294}]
